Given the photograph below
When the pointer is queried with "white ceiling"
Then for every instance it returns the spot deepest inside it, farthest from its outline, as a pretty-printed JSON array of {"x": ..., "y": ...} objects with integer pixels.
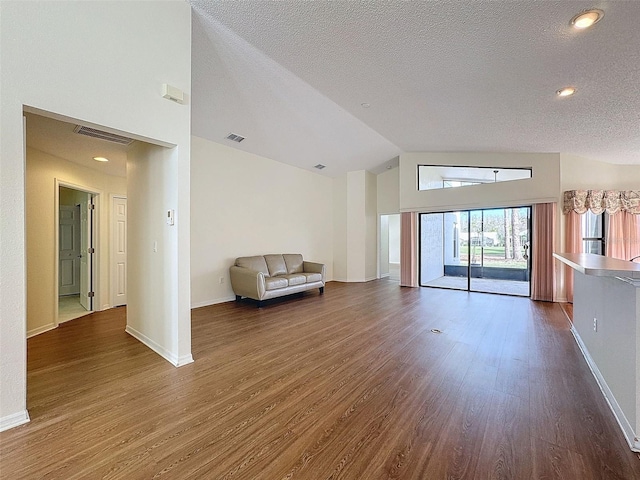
[{"x": 476, "y": 75}]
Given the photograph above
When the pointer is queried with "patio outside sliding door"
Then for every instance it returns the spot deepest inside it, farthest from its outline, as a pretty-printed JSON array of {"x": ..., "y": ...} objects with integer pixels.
[{"x": 478, "y": 250}]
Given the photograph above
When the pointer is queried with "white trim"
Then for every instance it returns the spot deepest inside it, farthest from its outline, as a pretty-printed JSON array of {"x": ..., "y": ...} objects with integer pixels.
[
  {"x": 625, "y": 426},
  {"x": 215, "y": 301},
  {"x": 159, "y": 349},
  {"x": 384, "y": 275},
  {"x": 14, "y": 420},
  {"x": 39, "y": 330}
]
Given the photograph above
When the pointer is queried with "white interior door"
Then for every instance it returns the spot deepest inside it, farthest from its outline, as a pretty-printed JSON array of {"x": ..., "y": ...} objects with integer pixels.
[
  {"x": 119, "y": 252},
  {"x": 69, "y": 254},
  {"x": 86, "y": 252}
]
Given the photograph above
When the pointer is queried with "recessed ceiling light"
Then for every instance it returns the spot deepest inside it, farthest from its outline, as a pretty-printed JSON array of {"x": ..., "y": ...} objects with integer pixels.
[
  {"x": 101, "y": 159},
  {"x": 587, "y": 18},
  {"x": 566, "y": 91},
  {"x": 365, "y": 105}
]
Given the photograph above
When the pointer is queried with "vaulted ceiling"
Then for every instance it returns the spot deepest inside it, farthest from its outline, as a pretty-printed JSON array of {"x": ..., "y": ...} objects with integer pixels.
[{"x": 353, "y": 84}]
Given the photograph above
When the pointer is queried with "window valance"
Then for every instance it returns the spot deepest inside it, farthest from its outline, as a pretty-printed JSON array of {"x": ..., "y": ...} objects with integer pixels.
[{"x": 598, "y": 201}]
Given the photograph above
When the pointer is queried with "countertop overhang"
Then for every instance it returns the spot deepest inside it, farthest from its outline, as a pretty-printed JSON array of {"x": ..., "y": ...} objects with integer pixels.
[{"x": 599, "y": 265}]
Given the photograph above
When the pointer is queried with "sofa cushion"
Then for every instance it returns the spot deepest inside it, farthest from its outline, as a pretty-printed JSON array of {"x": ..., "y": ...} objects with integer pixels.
[
  {"x": 256, "y": 263},
  {"x": 296, "y": 279},
  {"x": 274, "y": 283},
  {"x": 294, "y": 262},
  {"x": 276, "y": 265},
  {"x": 313, "y": 277}
]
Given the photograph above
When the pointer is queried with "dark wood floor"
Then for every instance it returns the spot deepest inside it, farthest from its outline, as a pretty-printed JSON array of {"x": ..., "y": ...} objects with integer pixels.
[{"x": 353, "y": 384}]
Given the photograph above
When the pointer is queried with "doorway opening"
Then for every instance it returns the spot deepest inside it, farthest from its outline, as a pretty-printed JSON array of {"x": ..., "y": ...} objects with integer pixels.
[
  {"x": 76, "y": 252},
  {"x": 477, "y": 250},
  {"x": 390, "y": 246}
]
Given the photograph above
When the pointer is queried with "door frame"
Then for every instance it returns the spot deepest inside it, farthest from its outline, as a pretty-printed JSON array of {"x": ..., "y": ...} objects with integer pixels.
[
  {"x": 97, "y": 196},
  {"x": 469, "y": 211}
]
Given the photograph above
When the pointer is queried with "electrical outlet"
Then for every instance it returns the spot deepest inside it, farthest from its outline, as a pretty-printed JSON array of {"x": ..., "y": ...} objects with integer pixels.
[
  {"x": 221, "y": 280},
  {"x": 595, "y": 324}
]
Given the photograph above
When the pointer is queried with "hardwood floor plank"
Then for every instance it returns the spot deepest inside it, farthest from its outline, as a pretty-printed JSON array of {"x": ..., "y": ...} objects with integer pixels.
[{"x": 352, "y": 384}]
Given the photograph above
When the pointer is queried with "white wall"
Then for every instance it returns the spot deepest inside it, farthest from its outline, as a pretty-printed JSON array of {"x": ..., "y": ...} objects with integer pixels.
[
  {"x": 151, "y": 242},
  {"x": 102, "y": 63},
  {"x": 388, "y": 185},
  {"x": 244, "y": 204},
  {"x": 42, "y": 172},
  {"x": 544, "y": 186}
]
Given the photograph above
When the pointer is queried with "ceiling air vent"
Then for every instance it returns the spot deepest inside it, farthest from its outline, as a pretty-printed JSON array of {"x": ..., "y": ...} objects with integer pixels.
[
  {"x": 235, "y": 138},
  {"x": 109, "y": 137},
  {"x": 319, "y": 166}
]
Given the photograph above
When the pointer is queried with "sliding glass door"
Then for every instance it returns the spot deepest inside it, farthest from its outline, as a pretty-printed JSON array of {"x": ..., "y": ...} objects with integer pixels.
[{"x": 477, "y": 250}]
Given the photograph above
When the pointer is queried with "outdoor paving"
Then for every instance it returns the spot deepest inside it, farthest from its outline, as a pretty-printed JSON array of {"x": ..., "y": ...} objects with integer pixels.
[{"x": 486, "y": 285}]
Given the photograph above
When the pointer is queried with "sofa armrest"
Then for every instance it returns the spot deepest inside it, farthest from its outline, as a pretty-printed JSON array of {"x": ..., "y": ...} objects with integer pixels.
[
  {"x": 246, "y": 282},
  {"x": 313, "y": 267}
]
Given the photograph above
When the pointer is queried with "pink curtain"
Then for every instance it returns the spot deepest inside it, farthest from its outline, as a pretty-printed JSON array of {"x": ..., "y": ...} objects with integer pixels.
[
  {"x": 409, "y": 249},
  {"x": 543, "y": 279},
  {"x": 573, "y": 244},
  {"x": 623, "y": 236}
]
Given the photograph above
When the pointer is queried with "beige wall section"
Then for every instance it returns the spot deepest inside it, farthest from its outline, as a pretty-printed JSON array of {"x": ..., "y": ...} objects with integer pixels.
[
  {"x": 42, "y": 172},
  {"x": 112, "y": 79},
  {"x": 244, "y": 204},
  {"x": 371, "y": 227},
  {"x": 69, "y": 196},
  {"x": 355, "y": 227},
  {"x": 388, "y": 184},
  {"x": 582, "y": 173},
  {"x": 544, "y": 186},
  {"x": 340, "y": 228}
]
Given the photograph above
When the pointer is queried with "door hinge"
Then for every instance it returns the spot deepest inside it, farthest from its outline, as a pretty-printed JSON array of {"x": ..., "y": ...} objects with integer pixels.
[
  {"x": 91, "y": 250},
  {"x": 91, "y": 206},
  {"x": 91, "y": 294}
]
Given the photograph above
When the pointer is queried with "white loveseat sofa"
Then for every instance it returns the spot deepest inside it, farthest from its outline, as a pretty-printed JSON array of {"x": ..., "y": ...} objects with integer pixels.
[{"x": 269, "y": 276}]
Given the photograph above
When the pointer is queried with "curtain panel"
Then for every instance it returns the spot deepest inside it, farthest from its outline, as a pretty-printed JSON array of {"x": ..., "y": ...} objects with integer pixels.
[
  {"x": 623, "y": 236},
  {"x": 543, "y": 279},
  {"x": 573, "y": 244},
  {"x": 408, "y": 249},
  {"x": 598, "y": 201}
]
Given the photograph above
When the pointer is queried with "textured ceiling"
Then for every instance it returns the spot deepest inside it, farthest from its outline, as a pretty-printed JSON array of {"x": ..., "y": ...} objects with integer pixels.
[{"x": 439, "y": 76}]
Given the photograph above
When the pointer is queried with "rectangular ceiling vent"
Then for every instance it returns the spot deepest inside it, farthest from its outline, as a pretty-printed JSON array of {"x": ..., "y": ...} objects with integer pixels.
[
  {"x": 319, "y": 166},
  {"x": 235, "y": 138},
  {"x": 109, "y": 137}
]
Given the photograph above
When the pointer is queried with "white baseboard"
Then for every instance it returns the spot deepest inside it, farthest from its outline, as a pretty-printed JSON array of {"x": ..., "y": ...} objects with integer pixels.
[
  {"x": 39, "y": 330},
  {"x": 206, "y": 303},
  {"x": 625, "y": 426},
  {"x": 159, "y": 349},
  {"x": 14, "y": 420}
]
